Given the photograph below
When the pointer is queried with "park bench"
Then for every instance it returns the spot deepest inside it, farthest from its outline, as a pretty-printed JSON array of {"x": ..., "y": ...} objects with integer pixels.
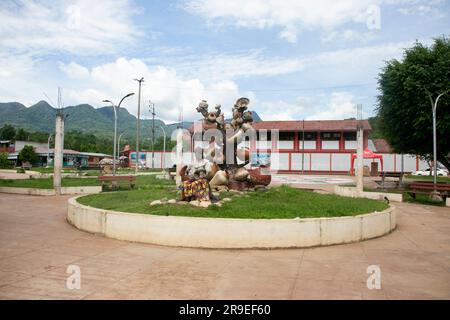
[
  {"x": 385, "y": 175},
  {"x": 426, "y": 187},
  {"x": 115, "y": 179}
]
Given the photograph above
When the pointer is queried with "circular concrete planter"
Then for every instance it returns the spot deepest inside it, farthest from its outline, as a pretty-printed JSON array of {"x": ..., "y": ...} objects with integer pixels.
[
  {"x": 51, "y": 192},
  {"x": 230, "y": 233}
]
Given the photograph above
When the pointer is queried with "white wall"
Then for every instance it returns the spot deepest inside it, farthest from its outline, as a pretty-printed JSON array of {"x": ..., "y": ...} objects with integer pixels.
[
  {"x": 286, "y": 145},
  {"x": 320, "y": 161},
  {"x": 309, "y": 145},
  {"x": 264, "y": 144},
  {"x": 350, "y": 144},
  {"x": 330, "y": 145},
  {"x": 341, "y": 162}
]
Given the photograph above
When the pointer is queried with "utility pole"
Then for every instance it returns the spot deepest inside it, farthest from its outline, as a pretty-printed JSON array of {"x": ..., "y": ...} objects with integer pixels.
[
  {"x": 152, "y": 111},
  {"x": 138, "y": 125},
  {"x": 58, "y": 151},
  {"x": 360, "y": 152},
  {"x": 303, "y": 147},
  {"x": 164, "y": 149}
]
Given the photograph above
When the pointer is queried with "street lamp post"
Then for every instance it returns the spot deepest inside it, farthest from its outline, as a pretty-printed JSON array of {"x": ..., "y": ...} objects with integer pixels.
[
  {"x": 116, "y": 109},
  {"x": 164, "y": 148},
  {"x": 152, "y": 111},
  {"x": 433, "y": 107},
  {"x": 138, "y": 126},
  {"x": 118, "y": 144}
]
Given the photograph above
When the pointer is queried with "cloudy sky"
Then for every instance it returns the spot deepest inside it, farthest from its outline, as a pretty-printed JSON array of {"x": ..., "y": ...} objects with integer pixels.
[{"x": 294, "y": 59}]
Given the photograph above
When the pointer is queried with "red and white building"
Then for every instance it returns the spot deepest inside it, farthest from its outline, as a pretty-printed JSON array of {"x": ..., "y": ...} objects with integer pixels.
[{"x": 315, "y": 146}]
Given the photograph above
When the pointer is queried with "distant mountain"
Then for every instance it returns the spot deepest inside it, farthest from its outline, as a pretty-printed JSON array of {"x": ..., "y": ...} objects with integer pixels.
[
  {"x": 84, "y": 118},
  {"x": 256, "y": 117}
]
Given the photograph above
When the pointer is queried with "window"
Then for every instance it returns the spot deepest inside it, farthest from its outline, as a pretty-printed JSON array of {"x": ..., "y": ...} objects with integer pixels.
[
  {"x": 286, "y": 136},
  {"x": 309, "y": 136},
  {"x": 350, "y": 136},
  {"x": 330, "y": 136}
]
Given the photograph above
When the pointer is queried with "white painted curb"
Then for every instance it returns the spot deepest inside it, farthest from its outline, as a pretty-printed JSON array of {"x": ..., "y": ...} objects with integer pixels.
[
  {"x": 230, "y": 233},
  {"x": 51, "y": 192},
  {"x": 353, "y": 193}
]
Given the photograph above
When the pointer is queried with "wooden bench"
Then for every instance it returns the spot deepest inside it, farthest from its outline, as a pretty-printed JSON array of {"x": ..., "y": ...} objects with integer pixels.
[
  {"x": 426, "y": 187},
  {"x": 385, "y": 175},
  {"x": 114, "y": 179}
]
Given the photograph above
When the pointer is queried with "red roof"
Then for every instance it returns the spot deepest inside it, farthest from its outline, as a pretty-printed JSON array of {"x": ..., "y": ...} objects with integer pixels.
[
  {"x": 382, "y": 145},
  {"x": 312, "y": 125}
]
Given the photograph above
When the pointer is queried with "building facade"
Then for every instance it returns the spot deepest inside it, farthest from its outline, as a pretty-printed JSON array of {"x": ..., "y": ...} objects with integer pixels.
[{"x": 317, "y": 147}]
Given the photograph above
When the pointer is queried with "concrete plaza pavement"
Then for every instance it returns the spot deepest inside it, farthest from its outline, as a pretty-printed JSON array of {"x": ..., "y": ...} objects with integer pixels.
[{"x": 37, "y": 245}]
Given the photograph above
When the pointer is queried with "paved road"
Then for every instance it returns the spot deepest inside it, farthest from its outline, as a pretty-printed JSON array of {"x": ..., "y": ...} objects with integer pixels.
[{"x": 37, "y": 245}]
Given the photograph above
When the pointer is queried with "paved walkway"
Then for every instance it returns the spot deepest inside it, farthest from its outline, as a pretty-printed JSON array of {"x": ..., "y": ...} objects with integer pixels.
[{"x": 37, "y": 245}]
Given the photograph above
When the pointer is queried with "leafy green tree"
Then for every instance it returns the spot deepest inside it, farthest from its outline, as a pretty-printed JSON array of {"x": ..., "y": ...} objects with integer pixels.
[
  {"x": 4, "y": 162},
  {"x": 7, "y": 132},
  {"x": 22, "y": 135},
  {"x": 404, "y": 111},
  {"x": 27, "y": 154}
]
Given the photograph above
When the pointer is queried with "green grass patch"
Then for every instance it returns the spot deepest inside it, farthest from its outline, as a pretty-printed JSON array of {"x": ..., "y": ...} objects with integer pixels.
[
  {"x": 282, "y": 202},
  {"x": 422, "y": 199},
  {"x": 410, "y": 178},
  {"x": 47, "y": 183}
]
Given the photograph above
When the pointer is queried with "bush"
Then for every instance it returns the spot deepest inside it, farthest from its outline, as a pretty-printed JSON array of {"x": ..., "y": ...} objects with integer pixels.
[
  {"x": 4, "y": 162},
  {"x": 27, "y": 154},
  {"x": 20, "y": 170}
]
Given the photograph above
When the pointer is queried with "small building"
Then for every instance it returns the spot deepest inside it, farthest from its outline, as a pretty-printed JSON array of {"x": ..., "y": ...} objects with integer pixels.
[{"x": 46, "y": 155}]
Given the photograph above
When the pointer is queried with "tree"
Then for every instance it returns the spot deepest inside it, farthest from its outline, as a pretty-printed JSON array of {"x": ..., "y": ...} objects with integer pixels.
[
  {"x": 4, "y": 162},
  {"x": 27, "y": 154},
  {"x": 7, "y": 132},
  {"x": 404, "y": 110},
  {"x": 22, "y": 135}
]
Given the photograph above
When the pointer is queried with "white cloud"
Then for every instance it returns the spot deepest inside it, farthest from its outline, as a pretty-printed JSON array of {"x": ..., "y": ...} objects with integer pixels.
[
  {"x": 220, "y": 66},
  {"x": 340, "y": 106},
  {"x": 74, "y": 70},
  {"x": 163, "y": 86},
  {"x": 424, "y": 7},
  {"x": 296, "y": 16},
  {"x": 81, "y": 27},
  {"x": 281, "y": 110},
  {"x": 292, "y": 16}
]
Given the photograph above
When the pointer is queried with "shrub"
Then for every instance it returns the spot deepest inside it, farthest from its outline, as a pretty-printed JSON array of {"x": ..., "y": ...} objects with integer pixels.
[
  {"x": 4, "y": 162},
  {"x": 27, "y": 154}
]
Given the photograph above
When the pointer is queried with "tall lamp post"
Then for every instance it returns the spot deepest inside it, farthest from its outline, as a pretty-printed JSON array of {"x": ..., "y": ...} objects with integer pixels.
[
  {"x": 138, "y": 124},
  {"x": 164, "y": 148},
  {"x": 116, "y": 109},
  {"x": 118, "y": 144},
  {"x": 433, "y": 107},
  {"x": 152, "y": 111}
]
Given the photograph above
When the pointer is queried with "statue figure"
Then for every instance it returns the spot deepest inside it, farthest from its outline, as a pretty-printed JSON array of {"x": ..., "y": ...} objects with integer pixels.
[
  {"x": 195, "y": 185},
  {"x": 233, "y": 176}
]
